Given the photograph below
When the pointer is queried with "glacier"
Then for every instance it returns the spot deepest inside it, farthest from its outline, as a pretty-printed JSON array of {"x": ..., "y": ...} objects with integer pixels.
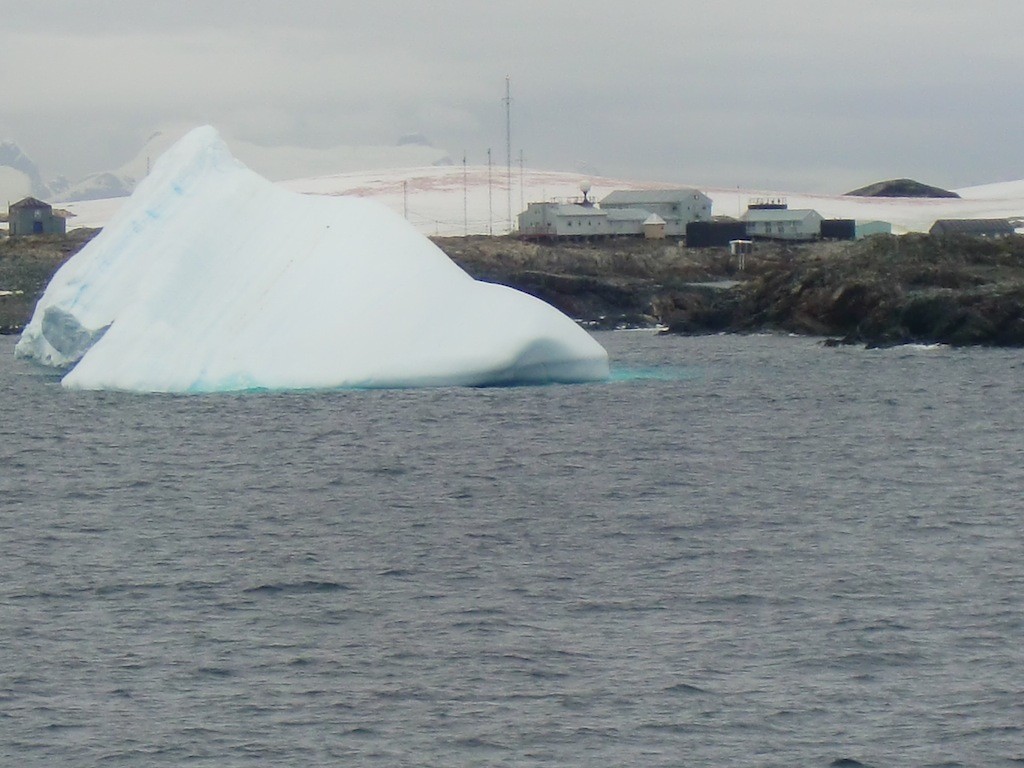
[{"x": 211, "y": 278}]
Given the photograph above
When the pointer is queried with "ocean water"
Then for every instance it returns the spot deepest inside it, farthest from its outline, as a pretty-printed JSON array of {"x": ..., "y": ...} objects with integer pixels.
[{"x": 742, "y": 551}]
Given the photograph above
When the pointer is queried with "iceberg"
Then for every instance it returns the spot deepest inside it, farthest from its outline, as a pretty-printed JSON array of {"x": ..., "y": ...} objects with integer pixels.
[{"x": 212, "y": 279}]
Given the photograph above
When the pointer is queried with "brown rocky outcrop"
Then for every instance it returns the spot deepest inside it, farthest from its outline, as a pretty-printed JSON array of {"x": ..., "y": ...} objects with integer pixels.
[{"x": 887, "y": 290}]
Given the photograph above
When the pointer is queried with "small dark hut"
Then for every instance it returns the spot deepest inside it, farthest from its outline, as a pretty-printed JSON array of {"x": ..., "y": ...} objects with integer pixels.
[
  {"x": 972, "y": 227},
  {"x": 33, "y": 217}
]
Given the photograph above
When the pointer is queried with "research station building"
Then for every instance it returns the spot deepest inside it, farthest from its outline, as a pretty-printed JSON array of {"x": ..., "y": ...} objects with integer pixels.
[{"x": 653, "y": 214}]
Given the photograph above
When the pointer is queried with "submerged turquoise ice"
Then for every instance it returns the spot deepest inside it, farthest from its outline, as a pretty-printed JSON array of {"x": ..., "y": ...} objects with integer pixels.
[{"x": 213, "y": 279}]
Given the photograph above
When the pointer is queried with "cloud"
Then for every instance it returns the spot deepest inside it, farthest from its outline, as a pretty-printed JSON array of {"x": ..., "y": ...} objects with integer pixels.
[{"x": 656, "y": 90}]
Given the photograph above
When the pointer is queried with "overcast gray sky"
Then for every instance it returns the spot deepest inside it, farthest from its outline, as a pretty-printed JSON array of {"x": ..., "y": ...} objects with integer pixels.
[{"x": 802, "y": 95}]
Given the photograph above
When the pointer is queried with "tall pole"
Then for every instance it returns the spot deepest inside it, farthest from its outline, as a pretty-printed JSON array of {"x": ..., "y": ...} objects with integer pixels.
[
  {"x": 465, "y": 195},
  {"x": 508, "y": 145},
  {"x": 490, "y": 195}
]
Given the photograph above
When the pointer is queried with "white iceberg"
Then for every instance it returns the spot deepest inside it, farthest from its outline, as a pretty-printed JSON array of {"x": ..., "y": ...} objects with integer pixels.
[{"x": 213, "y": 279}]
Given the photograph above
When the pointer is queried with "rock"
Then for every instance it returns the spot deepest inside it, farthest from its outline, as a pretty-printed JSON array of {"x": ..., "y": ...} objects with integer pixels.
[{"x": 901, "y": 188}]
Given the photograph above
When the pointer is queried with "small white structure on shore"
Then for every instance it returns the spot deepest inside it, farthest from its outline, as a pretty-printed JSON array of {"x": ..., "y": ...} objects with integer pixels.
[{"x": 654, "y": 227}]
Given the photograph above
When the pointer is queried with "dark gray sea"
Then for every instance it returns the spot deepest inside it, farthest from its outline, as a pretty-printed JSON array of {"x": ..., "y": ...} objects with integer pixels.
[{"x": 743, "y": 551}]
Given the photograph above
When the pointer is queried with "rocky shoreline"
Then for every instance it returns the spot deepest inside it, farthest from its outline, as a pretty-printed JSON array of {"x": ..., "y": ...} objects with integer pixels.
[
  {"x": 884, "y": 290},
  {"x": 26, "y": 266},
  {"x": 881, "y": 291}
]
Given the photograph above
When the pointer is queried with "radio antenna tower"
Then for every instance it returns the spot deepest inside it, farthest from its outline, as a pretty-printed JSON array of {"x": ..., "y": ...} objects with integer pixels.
[{"x": 508, "y": 146}]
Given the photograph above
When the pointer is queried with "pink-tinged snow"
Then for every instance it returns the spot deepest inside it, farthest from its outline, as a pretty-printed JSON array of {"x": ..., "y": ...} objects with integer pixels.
[
  {"x": 452, "y": 201},
  {"x": 436, "y": 200},
  {"x": 446, "y": 200}
]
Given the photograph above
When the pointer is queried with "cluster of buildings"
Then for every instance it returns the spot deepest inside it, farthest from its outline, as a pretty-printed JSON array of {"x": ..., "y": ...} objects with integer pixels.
[
  {"x": 654, "y": 214},
  {"x": 682, "y": 213},
  {"x": 686, "y": 213}
]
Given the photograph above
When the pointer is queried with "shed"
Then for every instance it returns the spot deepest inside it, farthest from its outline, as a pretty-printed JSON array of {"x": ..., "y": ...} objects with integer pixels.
[
  {"x": 838, "y": 229},
  {"x": 972, "y": 227},
  {"x": 654, "y": 227},
  {"x": 30, "y": 216},
  {"x": 718, "y": 232},
  {"x": 868, "y": 228}
]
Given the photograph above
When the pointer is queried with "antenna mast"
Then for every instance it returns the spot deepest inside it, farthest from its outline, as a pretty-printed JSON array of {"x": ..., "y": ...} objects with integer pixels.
[
  {"x": 508, "y": 146},
  {"x": 490, "y": 195}
]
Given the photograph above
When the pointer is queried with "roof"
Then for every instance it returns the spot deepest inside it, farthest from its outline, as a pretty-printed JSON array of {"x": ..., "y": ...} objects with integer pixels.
[
  {"x": 775, "y": 214},
  {"x": 571, "y": 209},
  {"x": 627, "y": 214},
  {"x": 642, "y": 196},
  {"x": 654, "y": 219},
  {"x": 972, "y": 227},
  {"x": 29, "y": 202}
]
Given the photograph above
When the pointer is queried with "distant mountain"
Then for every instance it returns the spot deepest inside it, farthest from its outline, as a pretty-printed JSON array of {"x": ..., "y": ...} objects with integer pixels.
[
  {"x": 901, "y": 188},
  {"x": 279, "y": 163},
  {"x": 98, "y": 186},
  {"x": 19, "y": 176},
  {"x": 14, "y": 185},
  {"x": 12, "y": 156}
]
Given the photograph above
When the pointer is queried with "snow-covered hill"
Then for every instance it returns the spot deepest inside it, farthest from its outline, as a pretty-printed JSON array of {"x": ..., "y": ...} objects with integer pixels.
[
  {"x": 274, "y": 163},
  {"x": 19, "y": 176},
  {"x": 450, "y": 200},
  {"x": 14, "y": 185}
]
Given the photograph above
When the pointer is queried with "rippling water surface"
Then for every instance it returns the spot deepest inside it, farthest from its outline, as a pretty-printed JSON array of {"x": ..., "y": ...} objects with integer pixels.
[{"x": 741, "y": 551}]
